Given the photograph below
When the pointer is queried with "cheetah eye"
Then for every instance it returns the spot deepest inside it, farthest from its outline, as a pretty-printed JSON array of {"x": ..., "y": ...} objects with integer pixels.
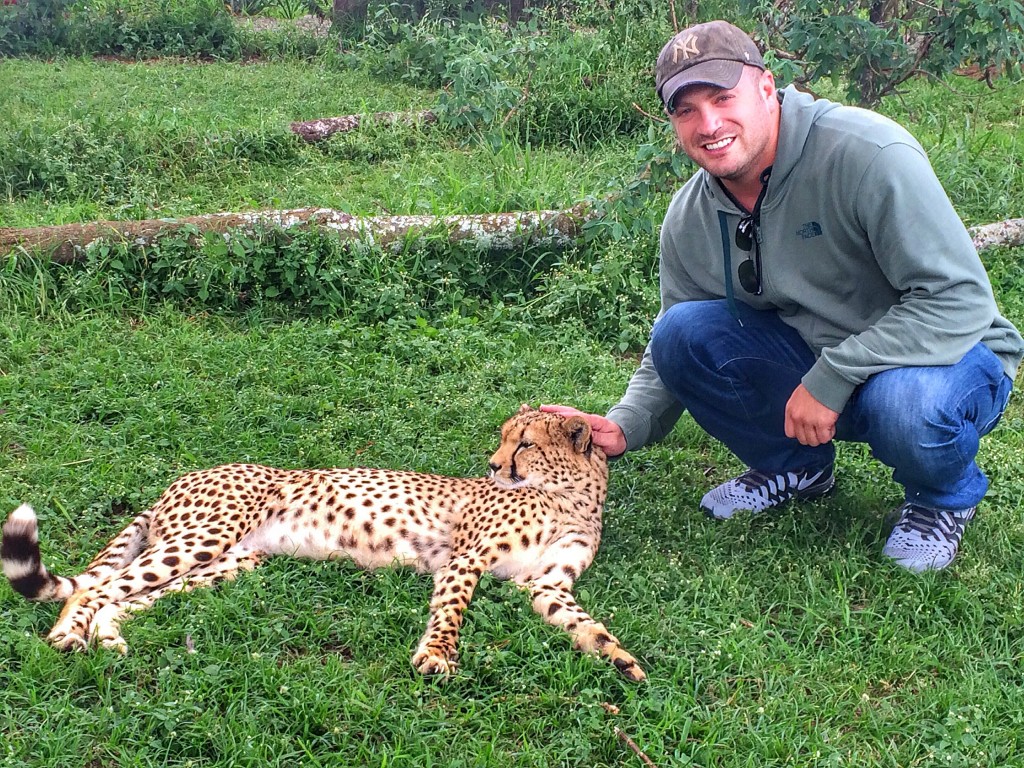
[{"x": 524, "y": 444}]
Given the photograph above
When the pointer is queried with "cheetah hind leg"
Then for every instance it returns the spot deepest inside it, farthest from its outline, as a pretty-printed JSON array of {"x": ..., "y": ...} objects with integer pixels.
[
  {"x": 106, "y": 624},
  {"x": 454, "y": 583},
  {"x": 76, "y": 627},
  {"x": 554, "y": 602}
]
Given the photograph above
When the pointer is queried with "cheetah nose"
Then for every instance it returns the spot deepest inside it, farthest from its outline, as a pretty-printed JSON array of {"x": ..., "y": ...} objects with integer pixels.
[{"x": 495, "y": 466}]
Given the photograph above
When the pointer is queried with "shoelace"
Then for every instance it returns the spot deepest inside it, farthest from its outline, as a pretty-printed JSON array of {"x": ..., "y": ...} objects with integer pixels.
[{"x": 924, "y": 521}]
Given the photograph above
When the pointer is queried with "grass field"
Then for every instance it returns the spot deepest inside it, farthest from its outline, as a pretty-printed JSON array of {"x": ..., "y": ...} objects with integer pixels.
[{"x": 782, "y": 641}]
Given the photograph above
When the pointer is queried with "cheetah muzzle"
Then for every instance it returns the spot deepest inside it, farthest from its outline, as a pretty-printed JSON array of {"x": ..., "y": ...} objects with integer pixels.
[{"x": 536, "y": 520}]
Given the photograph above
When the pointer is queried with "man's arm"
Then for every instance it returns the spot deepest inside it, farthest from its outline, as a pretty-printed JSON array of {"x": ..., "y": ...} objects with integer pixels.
[{"x": 924, "y": 250}]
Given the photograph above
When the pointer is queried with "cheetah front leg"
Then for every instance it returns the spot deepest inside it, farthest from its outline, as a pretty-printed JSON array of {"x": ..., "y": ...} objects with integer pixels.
[
  {"x": 106, "y": 624},
  {"x": 549, "y": 582},
  {"x": 454, "y": 583},
  {"x": 556, "y": 604}
]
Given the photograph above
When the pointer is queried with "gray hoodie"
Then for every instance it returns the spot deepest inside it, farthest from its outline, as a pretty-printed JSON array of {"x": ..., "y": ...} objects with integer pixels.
[{"x": 862, "y": 254}]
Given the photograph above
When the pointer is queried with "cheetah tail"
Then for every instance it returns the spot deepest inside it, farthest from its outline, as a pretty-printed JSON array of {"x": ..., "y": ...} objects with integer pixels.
[{"x": 22, "y": 563}]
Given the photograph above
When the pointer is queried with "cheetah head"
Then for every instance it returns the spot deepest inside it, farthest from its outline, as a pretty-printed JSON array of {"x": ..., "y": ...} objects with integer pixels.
[{"x": 546, "y": 451}]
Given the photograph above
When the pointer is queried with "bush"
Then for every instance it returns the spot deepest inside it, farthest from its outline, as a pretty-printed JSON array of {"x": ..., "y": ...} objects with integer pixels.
[
  {"x": 33, "y": 27},
  {"x": 201, "y": 28},
  {"x": 545, "y": 83},
  {"x": 308, "y": 271},
  {"x": 613, "y": 291},
  {"x": 107, "y": 159},
  {"x": 133, "y": 29}
]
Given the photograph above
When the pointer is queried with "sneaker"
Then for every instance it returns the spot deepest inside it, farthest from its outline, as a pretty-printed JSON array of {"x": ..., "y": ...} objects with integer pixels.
[
  {"x": 927, "y": 539},
  {"x": 755, "y": 491}
]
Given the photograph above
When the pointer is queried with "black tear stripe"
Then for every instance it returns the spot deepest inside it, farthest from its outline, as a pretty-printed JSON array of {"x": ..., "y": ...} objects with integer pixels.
[{"x": 513, "y": 473}]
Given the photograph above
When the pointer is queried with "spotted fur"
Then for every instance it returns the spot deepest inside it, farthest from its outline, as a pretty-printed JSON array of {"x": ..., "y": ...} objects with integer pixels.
[{"x": 536, "y": 520}]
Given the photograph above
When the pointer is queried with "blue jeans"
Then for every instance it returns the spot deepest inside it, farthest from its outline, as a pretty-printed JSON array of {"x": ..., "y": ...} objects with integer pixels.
[{"x": 924, "y": 422}]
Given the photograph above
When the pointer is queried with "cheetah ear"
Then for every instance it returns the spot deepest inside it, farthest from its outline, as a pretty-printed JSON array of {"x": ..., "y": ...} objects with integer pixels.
[
  {"x": 524, "y": 408},
  {"x": 578, "y": 430}
]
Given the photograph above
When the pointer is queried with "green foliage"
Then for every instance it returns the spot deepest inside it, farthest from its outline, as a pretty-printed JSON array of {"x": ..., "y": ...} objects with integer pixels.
[
  {"x": 33, "y": 27},
  {"x": 118, "y": 159},
  {"x": 307, "y": 272},
  {"x": 876, "y": 46},
  {"x": 250, "y": 7},
  {"x": 627, "y": 211},
  {"x": 134, "y": 29},
  {"x": 544, "y": 83},
  {"x": 612, "y": 290}
]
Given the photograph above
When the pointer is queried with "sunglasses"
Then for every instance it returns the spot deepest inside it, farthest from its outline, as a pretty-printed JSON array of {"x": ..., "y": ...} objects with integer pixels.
[{"x": 747, "y": 239}]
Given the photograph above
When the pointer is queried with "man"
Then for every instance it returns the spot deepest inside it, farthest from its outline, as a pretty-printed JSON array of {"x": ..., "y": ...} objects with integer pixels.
[{"x": 816, "y": 285}]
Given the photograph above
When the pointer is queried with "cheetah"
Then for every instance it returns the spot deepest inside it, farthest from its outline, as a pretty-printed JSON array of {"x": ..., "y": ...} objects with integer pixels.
[{"x": 535, "y": 519}]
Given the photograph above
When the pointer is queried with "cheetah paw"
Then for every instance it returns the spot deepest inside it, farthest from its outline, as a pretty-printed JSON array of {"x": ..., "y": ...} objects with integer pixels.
[
  {"x": 68, "y": 641},
  {"x": 629, "y": 668},
  {"x": 115, "y": 644},
  {"x": 429, "y": 661}
]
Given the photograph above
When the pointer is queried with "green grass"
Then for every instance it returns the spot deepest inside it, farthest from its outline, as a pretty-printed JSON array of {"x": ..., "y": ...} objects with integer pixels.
[
  {"x": 93, "y": 140},
  {"x": 786, "y": 640},
  {"x": 781, "y": 641}
]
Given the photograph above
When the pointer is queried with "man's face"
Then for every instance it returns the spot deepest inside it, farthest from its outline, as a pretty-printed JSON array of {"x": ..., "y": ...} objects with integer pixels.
[{"x": 732, "y": 134}]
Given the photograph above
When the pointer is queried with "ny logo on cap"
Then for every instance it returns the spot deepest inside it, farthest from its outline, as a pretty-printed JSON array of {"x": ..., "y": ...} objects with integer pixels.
[{"x": 684, "y": 48}]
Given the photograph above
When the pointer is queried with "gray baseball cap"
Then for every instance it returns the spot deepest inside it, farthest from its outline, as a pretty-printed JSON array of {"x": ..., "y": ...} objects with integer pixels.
[{"x": 713, "y": 53}]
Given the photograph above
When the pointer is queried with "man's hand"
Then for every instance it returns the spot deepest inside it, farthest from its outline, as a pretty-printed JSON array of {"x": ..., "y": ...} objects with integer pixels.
[
  {"x": 607, "y": 435},
  {"x": 810, "y": 422}
]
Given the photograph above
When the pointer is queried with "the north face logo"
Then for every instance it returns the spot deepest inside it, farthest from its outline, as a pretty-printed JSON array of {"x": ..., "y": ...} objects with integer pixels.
[{"x": 809, "y": 230}]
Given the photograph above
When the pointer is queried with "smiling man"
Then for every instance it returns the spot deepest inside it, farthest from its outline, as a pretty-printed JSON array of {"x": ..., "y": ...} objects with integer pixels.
[{"x": 816, "y": 285}]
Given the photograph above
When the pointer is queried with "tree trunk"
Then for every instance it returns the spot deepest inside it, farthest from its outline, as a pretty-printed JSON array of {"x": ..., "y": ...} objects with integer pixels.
[
  {"x": 320, "y": 129},
  {"x": 350, "y": 15},
  {"x": 1001, "y": 234},
  {"x": 493, "y": 231}
]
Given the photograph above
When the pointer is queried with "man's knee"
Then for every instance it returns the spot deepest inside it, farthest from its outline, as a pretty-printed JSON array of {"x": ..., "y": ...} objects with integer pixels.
[
  {"x": 906, "y": 399},
  {"x": 909, "y": 419}
]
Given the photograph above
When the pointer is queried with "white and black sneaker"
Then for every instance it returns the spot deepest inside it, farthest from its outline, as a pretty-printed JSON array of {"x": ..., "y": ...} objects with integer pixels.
[
  {"x": 926, "y": 539},
  {"x": 755, "y": 491}
]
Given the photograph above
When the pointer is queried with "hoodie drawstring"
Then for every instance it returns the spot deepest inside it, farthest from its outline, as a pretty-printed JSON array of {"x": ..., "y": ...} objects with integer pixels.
[{"x": 730, "y": 297}]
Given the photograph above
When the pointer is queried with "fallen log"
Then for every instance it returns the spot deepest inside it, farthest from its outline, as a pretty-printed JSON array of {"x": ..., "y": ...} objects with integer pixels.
[
  {"x": 492, "y": 231},
  {"x": 322, "y": 128},
  {"x": 1008, "y": 234}
]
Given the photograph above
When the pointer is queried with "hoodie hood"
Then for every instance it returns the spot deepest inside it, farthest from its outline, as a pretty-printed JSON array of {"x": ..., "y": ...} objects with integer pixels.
[{"x": 800, "y": 111}]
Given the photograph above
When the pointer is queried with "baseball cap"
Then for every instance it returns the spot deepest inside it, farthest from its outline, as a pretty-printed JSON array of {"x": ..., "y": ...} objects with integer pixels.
[{"x": 712, "y": 53}]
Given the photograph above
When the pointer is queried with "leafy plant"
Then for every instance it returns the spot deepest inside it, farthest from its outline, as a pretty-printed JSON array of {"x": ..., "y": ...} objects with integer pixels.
[
  {"x": 250, "y": 7},
  {"x": 32, "y": 27},
  {"x": 877, "y": 45},
  {"x": 165, "y": 27}
]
